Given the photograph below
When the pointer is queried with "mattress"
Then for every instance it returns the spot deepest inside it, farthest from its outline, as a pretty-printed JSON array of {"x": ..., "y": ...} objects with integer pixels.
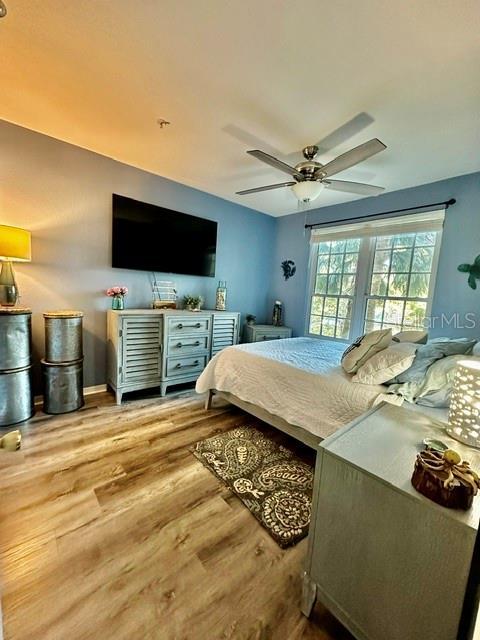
[{"x": 297, "y": 379}]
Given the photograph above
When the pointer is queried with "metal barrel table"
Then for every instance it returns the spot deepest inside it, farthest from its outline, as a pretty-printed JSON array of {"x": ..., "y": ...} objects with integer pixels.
[
  {"x": 62, "y": 367},
  {"x": 16, "y": 392}
]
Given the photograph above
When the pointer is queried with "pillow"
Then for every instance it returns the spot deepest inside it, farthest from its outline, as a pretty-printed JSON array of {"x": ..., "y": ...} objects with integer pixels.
[
  {"x": 364, "y": 348},
  {"x": 387, "y": 363},
  {"x": 435, "y": 389},
  {"x": 438, "y": 384},
  {"x": 428, "y": 353},
  {"x": 419, "y": 337}
]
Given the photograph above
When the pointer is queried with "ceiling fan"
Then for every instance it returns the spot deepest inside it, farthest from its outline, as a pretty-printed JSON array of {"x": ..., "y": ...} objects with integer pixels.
[{"x": 310, "y": 176}]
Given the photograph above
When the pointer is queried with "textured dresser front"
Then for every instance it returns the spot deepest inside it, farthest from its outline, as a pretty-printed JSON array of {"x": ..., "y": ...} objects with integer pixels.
[
  {"x": 225, "y": 331},
  {"x": 162, "y": 348},
  {"x": 186, "y": 347}
]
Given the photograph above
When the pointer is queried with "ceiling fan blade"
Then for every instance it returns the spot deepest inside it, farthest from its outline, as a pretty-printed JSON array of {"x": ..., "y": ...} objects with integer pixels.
[
  {"x": 352, "y": 157},
  {"x": 353, "y": 187},
  {"x": 274, "y": 162},
  {"x": 343, "y": 133},
  {"x": 267, "y": 188}
]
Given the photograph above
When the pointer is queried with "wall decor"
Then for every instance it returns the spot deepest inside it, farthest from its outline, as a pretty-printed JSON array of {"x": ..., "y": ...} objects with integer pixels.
[
  {"x": 289, "y": 269},
  {"x": 473, "y": 270}
]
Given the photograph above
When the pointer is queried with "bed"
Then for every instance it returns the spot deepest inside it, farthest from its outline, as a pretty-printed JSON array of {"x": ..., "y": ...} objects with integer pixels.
[{"x": 297, "y": 385}]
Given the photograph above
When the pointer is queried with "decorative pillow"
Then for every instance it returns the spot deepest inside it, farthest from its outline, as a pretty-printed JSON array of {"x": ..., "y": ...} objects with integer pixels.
[
  {"x": 419, "y": 337},
  {"x": 428, "y": 353},
  {"x": 387, "y": 363},
  {"x": 364, "y": 348}
]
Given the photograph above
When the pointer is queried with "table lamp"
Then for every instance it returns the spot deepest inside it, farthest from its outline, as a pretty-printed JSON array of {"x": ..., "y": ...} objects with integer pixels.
[
  {"x": 14, "y": 247},
  {"x": 464, "y": 415}
]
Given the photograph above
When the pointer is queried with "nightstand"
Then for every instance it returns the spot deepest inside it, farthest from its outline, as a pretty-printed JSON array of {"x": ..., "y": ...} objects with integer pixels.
[
  {"x": 388, "y": 562},
  {"x": 262, "y": 332}
]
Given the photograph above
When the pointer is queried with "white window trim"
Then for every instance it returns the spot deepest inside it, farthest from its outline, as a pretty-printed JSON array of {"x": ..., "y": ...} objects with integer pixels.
[{"x": 368, "y": 231}]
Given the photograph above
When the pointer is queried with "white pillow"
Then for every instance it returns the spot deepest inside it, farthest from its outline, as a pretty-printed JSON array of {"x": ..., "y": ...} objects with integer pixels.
[
  {"x": 387, "y": 364},
  {"x": 364, "y": 348}
]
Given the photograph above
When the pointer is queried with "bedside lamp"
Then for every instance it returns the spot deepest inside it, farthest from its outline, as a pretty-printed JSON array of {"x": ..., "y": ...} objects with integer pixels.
[
  {"x": 14, "y": 247},
  {"x": 464, "y": 415}
]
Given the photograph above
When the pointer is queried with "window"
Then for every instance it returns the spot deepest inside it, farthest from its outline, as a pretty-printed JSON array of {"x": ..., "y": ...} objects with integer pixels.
[
  {"x": 370, "y": 282},
  {"x": 335, "y": 281}
]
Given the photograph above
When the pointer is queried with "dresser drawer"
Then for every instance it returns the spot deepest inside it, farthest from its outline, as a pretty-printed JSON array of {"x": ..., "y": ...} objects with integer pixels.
[
  {"x": 185, "y": 345},
  {"x": 186, "y": 366},
  {"x": 188, "y": 326},
  {"x": 261, "y": 337}
]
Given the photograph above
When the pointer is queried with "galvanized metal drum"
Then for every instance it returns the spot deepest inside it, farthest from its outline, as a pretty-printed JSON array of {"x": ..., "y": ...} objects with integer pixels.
[
  {"x": 16, "y": 396},
  {"x": 62, "y": 386},
  {"x": 15, "y": 338},
  {"x": 63, "y": 336}
]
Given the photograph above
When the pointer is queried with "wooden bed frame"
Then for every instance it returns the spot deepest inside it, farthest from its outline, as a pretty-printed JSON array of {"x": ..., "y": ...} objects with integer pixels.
[{"x": 299, "y": 433}]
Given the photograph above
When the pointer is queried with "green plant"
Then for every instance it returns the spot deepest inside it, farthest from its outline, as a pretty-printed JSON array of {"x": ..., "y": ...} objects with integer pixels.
[{"x": 192, "y": 302}]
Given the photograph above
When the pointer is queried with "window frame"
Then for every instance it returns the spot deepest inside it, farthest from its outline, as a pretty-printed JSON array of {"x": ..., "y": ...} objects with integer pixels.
[{"x": 366, "y": 257}]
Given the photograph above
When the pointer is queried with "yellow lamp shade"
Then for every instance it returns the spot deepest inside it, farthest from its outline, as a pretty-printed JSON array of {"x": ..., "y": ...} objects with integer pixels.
[{"x": 15, "y": 244}]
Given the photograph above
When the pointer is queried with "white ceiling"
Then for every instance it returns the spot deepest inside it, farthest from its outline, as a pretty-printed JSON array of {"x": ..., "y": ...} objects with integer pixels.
[{"x": 234, "y": 75}]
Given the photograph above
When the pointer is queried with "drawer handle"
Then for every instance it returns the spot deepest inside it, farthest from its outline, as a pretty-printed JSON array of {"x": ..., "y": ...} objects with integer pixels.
[
  {"x": 185, "y": 366},
  {"x": 190, "y": 344},
  {"x": 197, "y": 325}
]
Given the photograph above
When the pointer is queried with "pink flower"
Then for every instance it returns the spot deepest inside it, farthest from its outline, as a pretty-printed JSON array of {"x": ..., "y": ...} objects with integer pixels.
[{"x": 117, "y": 291}]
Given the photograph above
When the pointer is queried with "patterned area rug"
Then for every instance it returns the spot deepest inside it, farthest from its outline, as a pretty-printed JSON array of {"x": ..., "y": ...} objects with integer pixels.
[{"x": 273, "y": 482}]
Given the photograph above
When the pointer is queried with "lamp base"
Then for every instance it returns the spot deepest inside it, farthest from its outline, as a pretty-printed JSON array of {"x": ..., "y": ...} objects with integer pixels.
[
  {"x": 463, "y": 436},
  {"x": 8, "y": 286}
]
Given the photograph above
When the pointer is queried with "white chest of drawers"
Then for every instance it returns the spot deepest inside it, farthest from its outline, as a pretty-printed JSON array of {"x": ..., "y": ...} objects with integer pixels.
[{"x": 152, "y": 347}]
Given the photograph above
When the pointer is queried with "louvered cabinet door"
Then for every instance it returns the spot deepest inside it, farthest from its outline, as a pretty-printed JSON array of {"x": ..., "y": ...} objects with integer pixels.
[
  {"x": 225, "y": 331},
  {"x": 141, "y": 340}
]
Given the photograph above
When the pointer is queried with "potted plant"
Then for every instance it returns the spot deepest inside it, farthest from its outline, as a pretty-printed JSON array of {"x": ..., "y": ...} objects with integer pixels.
[
  {"x": 192, "y": 303},
  {"x": 251, "y": 319}
]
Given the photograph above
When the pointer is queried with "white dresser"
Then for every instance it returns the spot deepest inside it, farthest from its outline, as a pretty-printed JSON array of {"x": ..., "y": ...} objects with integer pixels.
[
  {"x": 153, "y": 347},
  {"x": 387, "y": 561}
]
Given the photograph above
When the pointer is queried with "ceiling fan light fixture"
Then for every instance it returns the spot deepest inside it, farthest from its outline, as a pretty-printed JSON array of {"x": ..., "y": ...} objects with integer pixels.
[{"x": 307, "y": 190}]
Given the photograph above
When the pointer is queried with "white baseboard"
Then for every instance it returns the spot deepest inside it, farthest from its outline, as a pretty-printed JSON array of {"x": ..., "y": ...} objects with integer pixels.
[{"x": 87, "y": 391}]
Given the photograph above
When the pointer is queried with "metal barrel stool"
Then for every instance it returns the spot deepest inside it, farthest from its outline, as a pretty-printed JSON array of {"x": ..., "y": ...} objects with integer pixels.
[
  {"x": 16, "y": 392},
  {"x": 62, "y": 368}
]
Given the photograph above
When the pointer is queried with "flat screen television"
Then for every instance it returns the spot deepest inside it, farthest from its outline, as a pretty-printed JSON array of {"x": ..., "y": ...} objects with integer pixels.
[{"x": 152, "y": 238}]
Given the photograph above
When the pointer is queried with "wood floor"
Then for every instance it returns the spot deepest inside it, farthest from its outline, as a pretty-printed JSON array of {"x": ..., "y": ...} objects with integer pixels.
[{"x": 111, "y": 529}]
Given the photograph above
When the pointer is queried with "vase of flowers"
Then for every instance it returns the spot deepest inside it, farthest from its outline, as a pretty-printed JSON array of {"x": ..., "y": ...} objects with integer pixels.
[{"x": 117, "y": 294}]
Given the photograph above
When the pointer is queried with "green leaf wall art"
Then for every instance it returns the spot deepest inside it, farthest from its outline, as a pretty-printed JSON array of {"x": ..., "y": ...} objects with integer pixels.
[{"x": 473, "y": 271}]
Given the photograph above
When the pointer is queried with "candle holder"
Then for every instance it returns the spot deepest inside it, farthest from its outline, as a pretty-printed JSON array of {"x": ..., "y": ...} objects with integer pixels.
[{"x": 464, "y": 415}]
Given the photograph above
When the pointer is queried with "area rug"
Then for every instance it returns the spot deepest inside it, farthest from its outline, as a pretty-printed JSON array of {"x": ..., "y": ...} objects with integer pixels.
[{"x": 271, "y": 480}]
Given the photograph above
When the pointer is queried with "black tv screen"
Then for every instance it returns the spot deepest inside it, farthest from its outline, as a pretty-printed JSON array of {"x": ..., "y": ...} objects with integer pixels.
[{"x": 152, "y": 238}]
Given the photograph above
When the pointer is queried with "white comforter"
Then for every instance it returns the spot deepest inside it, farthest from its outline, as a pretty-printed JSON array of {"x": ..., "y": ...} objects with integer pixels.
[{"x": 298, "y": 379}]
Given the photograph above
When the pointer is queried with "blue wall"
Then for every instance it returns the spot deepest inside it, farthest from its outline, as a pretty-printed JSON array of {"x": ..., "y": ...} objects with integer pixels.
[
  {"x": 63, "y": 194},
  {"x": 461, "y": 243}
]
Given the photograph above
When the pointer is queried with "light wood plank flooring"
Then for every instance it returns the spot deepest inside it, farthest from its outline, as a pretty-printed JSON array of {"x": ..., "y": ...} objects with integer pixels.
[{"x": 111, "y": 529}]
